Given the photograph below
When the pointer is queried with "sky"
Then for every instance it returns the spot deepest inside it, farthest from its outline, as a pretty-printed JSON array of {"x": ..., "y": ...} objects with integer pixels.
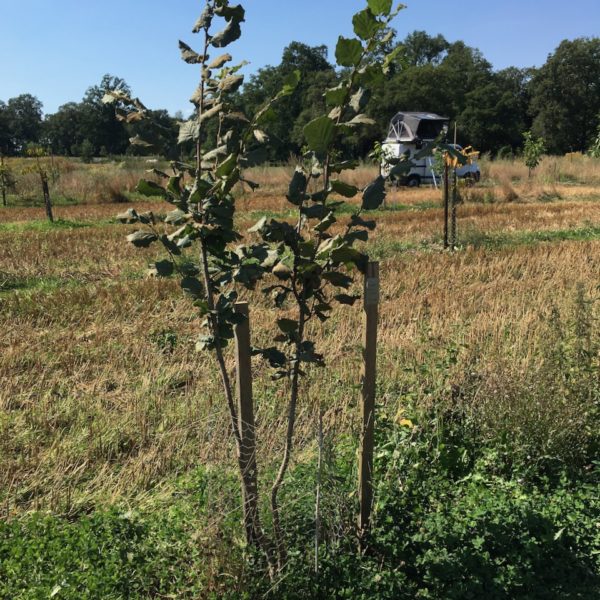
[{"x": 56, "y": 49}]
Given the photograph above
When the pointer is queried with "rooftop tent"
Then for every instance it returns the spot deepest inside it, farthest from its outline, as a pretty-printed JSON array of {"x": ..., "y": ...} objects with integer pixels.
[{"x": 410, "y": 126}]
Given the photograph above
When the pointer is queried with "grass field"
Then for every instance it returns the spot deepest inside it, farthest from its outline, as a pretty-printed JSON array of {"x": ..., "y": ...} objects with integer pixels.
[{"x": 105, "y": 405}]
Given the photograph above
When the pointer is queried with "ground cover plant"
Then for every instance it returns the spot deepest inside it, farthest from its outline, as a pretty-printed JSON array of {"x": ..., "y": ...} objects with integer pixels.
[{"x": 117, "y": 452}]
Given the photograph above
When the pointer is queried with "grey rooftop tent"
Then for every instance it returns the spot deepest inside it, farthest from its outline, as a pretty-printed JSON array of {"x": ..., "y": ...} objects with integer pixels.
[{"x": 415, "y": 126}]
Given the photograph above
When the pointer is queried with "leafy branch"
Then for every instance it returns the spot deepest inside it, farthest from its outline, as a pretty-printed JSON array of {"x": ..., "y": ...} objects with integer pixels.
[{"x": 314, "y": 266}]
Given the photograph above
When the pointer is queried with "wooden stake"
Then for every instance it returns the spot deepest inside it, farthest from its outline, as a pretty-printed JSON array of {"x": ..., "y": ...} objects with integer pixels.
[
  {"x": 446, "y": 202},
  {"x": 246, "y": 423},
  {"x": 454, "y": 204},
  {"x": 47, "y": 202},
  {"x": 369, "y": 381},
  {"x": 318, "y": 493}
]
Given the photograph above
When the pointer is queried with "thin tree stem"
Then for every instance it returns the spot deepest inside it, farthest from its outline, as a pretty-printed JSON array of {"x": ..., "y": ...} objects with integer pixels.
[{"x": 289, "y": 444}]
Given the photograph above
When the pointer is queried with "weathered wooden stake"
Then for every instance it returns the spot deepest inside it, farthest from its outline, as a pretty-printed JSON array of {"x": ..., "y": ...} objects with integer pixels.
[
  {"x": 446, "y": 202},
  {"x": 47, "y": 201},
  {"x": 454, "y": 203},
  {"x": 246, "y": 424},
  {"x": 318, "y": 493},
  {"x": 369, "y": 380}
]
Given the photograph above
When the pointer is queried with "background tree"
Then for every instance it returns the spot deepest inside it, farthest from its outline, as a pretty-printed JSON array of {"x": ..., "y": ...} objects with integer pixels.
[
  {"x": 24, "y": 122},
  {"x": 284, "y": 128},
  {"x": 533, "y": 149},
  {"x": 5, "y": 139},
  {"x": 160, "y": 131},
  {"x": 101, "y": 125},
  {"x": 420, "y": 49},
  {"x": 565, "y": 98},
  {"x": 65, "y": 130}
]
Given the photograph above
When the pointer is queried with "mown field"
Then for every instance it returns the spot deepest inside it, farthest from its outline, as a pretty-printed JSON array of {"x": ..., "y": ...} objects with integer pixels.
[{"x": 116, "y": 463}]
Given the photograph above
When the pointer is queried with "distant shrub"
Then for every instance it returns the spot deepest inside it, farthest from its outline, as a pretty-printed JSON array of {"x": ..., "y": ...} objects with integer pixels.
[{"x": 86, "y": 151}]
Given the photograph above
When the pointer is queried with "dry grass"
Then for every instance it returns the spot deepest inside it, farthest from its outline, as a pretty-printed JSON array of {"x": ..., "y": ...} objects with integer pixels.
[
  {"x": 103, "y": 399},
  {"x": 573, "y": 168},
  {"x": 73, "y": 181}
]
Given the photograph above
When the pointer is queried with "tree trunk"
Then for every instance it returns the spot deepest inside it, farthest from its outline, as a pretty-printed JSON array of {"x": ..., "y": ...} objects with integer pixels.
[
  {"x": 289, "y": 444},
  {"x": 47, "y": 201},
  {"x": 254, "y": 532}
]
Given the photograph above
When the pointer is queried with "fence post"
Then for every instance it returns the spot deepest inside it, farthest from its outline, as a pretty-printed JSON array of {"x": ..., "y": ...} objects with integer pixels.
[
  {"x": 453, "y": 212},
  {"x": 246, "y": 423},
  {"x": 369, "y": 377},
  {"x": 446, "y": 202}
]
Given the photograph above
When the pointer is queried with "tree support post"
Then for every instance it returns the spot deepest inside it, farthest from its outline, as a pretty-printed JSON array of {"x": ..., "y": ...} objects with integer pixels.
[
  {"x": 369, "y": 380},
  {"x": 47, "y": 201},
  {"x": 454, "y": 204},
  {"x": 246, "y": 425},
  {"x": 446, "y": 203}
]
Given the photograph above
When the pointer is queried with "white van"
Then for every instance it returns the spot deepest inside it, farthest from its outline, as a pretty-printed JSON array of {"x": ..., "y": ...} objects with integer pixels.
[{"x": 408, "y": 133}]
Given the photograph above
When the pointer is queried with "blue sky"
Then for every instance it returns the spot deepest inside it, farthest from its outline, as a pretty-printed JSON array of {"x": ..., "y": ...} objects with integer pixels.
[{"x": 56, "y": 49}]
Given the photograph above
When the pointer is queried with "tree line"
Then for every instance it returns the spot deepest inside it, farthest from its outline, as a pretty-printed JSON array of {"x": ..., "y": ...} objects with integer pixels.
[{"x": 559, "y": 102}]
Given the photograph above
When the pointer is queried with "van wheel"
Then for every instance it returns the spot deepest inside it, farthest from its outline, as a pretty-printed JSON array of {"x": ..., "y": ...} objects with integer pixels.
[{"x": 413, "y": 181}]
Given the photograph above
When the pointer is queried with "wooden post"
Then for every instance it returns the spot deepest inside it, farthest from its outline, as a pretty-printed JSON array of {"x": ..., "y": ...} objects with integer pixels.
[
  {"x": 47, "y": 202},
  {"x": 453, "y": 212},
  {"x": 246, "y": 424},
  {"x": 369, "y": 380},
  {"x": 446, "y": 202}
]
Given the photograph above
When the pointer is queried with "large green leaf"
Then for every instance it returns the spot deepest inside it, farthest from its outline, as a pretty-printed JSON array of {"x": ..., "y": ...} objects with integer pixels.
[
  {"x": 204, "y": 21},
  {"x": 357, "y": 221},
  {"x": 190, "y": 56},
  {"x": 188, "y": 131},
  {"x": 150, "y": 188},
  {"x": 374, "y": 194},
  {"x": 380, "y": 7},
  {"x": 348, "y": 52},
  {"x": 193, "y": 287},
  {"x": 343, "y": 189},
  {"x": 218, "y": 62},
  {"x": 210, "y": 113},
  {"x": 227, "y": 166},
  {"x": 129, "y": 216},
  {"x": 326, "y": 223},
  {"x": 290, "y": 83},
  {"x": 176, "y": 217},
  {"x": 345, "y": 254},
  {"x": 344, "y": 165},
  {"x": 338, "y": 279},
  {"x": 235, "y": 12},
  {"x": 319, "y": 134},
  {"x": 336, "y": 96},
  {"x": 346, "y": 299},
  {"x": 141, "y": 239},
  {"x": 365, "y": 24},
  {"x": 360, "y": 120},
  {"x": 138, "y": 141},
  {"x": 162, "y": 268},
  {"x": 230, "y": 34},
  {"x": 359, "y": 100},
  {"x": 287, "y": 325},
  {"x": 258, "y": 226},
  {"x": 297, "y": 189}
]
